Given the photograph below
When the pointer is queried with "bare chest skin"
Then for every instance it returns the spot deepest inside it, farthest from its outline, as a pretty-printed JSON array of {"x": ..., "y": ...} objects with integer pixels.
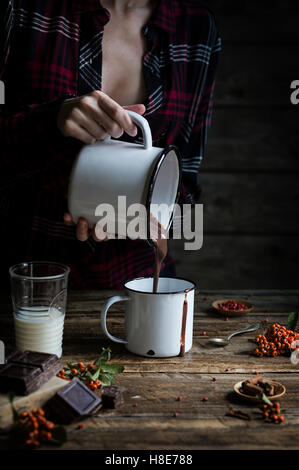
[{"x": 124, "y": 46}]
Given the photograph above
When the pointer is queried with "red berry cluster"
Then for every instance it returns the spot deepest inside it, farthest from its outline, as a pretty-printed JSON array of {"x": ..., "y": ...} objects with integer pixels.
[
  {"x": 35, "y": 427},
  {"x": 80, "y": 370},
  {"x": 272, "y": 413},
  {"x": 275, "y": 342},
  {"x": 232, "y": 305}
]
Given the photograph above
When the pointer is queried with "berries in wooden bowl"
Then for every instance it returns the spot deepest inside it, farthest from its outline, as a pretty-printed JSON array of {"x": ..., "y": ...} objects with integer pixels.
[{"x": 232, "y": 306}]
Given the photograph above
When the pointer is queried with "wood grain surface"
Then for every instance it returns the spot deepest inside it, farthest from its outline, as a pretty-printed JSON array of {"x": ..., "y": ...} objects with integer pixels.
[{"x": 155, "y": 384}]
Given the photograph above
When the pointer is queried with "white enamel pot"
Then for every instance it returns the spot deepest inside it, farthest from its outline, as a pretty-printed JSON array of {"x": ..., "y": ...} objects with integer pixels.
[{"x": 105, "y": 170}]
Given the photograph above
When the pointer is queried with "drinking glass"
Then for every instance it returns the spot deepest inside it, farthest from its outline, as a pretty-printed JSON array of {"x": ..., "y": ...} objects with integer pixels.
[{"x": 39, "y": 295}]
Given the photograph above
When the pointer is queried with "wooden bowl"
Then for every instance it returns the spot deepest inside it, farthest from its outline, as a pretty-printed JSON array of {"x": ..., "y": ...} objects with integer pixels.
[
  {"x": 216, "y": 307},
  {"x": 282, "y": 391}
]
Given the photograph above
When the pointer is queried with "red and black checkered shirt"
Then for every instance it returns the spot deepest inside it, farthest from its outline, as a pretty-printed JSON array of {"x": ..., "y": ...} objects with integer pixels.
[{"x": 52, "y": 50}]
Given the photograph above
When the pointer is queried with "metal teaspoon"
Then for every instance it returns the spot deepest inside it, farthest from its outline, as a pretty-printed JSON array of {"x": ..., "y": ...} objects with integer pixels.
[{"x": 225, "y": 341}]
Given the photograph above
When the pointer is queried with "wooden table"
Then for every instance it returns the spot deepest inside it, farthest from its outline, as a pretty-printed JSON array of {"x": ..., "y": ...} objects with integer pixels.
[{"x": 158, "y": 382}]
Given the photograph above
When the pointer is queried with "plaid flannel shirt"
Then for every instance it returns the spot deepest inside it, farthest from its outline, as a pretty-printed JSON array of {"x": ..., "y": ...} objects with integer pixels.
[{"x": 52, "y": 50}]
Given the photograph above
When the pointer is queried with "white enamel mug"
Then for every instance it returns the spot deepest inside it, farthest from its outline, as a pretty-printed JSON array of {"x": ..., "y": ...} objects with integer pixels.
[
  {"x": 156, "y": 324},
  {"x": 144, "y": 174}
]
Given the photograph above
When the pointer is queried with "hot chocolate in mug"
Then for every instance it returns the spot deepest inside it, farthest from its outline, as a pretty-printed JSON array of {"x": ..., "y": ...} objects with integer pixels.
[{"x": 156, "y": 324}]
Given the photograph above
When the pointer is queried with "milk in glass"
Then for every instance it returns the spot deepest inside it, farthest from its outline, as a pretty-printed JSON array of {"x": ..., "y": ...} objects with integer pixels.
[{"x": 39, "y": 328}]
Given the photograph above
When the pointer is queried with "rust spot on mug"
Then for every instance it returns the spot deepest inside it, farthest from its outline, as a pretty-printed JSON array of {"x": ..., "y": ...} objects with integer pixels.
[{"x": 184, "y": 321}]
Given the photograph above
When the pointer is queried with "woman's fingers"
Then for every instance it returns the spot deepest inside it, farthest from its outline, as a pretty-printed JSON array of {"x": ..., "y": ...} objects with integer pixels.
[
  {"x": 137, "y": 108},
  {"x": 82, "y": 230},
  {"x": 99, "y": 236},
  {"x": 86, "y": 120},
  {"x": 91, "y": 117},
  {"x": 74, "y": 129},
  {"x": 101, "y": 119},
  {"x": 117, "y": 113},
  {"x": 68, "y": 219}
]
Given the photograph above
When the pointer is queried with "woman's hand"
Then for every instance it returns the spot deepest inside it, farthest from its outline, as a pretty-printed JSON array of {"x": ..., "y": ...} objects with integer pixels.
[
  {"x": 83, "y": 232},
  {"x": 91, "y": 117}
]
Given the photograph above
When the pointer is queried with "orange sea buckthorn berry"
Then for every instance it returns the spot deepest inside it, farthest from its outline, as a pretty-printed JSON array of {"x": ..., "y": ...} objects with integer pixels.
[
  {"x": 29, "y": 442},
  {"x": 90, "y": 366},
  {"x": 81, "y": 364},
  {"x": 49, "y": 425},
  {"x": 42, "y": 420},
  {"x": 74, "y": 372},
  {"x": 45, "y": 435}
]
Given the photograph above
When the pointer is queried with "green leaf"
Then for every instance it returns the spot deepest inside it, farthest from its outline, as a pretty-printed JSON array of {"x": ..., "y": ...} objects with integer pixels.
[
  {"x": 98, "y": 363},
  {"x": 88, "y": 375},
  {"x": 293, "y": 320},
  {"x": 106, "y": 378},
  {"x": 113, "y": 368},
  {"x": 104, "y": 357},
  {"x": 96, "y": 374},
  {"x": 59, "y": 435},
  {"x": 265, "y": 399}
]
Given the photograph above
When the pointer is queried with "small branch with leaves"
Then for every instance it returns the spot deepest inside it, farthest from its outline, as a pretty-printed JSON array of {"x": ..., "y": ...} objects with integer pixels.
[{"x": 94, "y": 375}]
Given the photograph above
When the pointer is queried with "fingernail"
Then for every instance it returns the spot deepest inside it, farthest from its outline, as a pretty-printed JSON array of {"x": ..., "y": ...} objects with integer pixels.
[{"x": 133, "y": 131}]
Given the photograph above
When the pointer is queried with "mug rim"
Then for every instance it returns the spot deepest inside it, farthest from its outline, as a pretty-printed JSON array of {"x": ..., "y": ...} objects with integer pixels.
[
  {"x": 153, "y": 179},
  {"x": 160, "y": 293}
]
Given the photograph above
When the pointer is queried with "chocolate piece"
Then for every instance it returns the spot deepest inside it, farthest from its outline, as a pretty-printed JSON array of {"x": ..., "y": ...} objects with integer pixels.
[
  {"x": 269, "y": 389},
  {"x": 9, "y": 355},
  {"x": 111, "y": 396},
  {"x": 72, "y": 402},
  {"x": 26, "y": 371},
  {"x": 251, "y": 389},
  {"x": 257, "y": 386},
  {"x": 256, "y": 381},
  {"x": 239, "y": 414}
]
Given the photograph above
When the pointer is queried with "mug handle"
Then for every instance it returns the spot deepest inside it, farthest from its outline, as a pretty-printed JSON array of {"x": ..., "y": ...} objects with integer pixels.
[
  {"x": 105, "y": 308},
  {"x": 141, "y": 122}
]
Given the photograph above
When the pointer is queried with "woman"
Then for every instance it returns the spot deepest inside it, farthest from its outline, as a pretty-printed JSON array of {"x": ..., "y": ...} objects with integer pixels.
[{"x": 71, "y": 69}]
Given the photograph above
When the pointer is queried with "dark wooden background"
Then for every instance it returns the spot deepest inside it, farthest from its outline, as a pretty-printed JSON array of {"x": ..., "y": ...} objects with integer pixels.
[{"x": 250, "y": 171}]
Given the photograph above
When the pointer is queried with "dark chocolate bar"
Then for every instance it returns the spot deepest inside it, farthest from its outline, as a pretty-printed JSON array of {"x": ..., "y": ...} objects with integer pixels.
[
  {"x": 111, "y": 396},
  {"x": 73, "y": 402},
  {"x": 26, "y": 371}
]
